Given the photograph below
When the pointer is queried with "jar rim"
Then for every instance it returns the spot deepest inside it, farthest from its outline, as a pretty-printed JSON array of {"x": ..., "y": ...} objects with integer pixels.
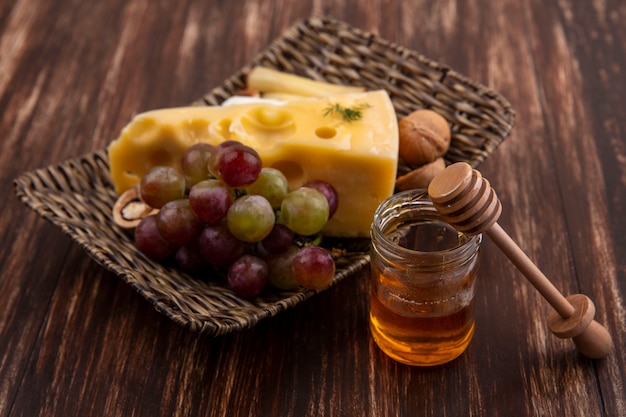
[{"x": 399, "y": 204}]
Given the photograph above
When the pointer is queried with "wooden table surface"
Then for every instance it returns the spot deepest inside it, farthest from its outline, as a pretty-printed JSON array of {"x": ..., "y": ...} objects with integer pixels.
[{"x": 77, "y": 341}]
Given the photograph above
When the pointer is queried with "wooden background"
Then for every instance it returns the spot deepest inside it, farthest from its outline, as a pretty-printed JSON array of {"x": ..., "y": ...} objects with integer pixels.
[{"x": 76, "y": 341}]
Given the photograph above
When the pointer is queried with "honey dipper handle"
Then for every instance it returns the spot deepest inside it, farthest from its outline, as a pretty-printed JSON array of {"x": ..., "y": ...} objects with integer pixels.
[
  {"x": 573, "y": 316},
  {"x": 590, "y": 337},
  {"x": 530, "y": 271}
]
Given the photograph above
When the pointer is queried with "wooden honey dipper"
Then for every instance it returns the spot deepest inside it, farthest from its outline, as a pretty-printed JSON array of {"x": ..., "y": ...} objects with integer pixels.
[{"x": 465, "y": 200}]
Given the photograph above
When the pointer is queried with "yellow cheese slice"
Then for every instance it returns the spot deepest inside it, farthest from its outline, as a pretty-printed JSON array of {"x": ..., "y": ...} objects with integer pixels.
[{"x": 301, "y": 138}]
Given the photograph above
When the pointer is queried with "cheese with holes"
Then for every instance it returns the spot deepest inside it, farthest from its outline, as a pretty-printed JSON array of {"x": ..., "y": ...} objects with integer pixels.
[{"x": 302, "y": 138}]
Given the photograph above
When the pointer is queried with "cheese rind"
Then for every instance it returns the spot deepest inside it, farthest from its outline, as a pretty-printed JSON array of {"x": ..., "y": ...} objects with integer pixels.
[{"x": 300, "y": 138}]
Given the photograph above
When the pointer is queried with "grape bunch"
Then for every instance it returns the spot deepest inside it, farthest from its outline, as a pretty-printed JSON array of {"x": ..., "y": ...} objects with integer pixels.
[{"x": 224, "y": 210}]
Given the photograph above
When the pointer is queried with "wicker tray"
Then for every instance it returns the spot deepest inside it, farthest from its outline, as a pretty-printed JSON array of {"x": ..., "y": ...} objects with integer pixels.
[{"x": 78, "y": 196}]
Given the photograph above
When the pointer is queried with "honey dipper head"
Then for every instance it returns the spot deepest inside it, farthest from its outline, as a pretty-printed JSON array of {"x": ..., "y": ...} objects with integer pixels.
[{"x": 465, "y": 199}]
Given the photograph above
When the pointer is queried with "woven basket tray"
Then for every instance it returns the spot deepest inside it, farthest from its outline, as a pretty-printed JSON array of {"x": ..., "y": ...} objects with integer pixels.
[{"x": 78, "y": 196}]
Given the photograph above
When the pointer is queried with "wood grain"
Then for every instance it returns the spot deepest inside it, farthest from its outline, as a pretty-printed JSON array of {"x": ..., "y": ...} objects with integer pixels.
[{"x": 75, "y": 340}]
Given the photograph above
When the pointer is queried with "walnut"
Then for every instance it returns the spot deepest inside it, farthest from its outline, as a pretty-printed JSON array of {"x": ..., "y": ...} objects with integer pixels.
[
  {"x": 420, "y": 177},
  {"x": 424, "y": 136},
  {"x": 129, "y": 209}
]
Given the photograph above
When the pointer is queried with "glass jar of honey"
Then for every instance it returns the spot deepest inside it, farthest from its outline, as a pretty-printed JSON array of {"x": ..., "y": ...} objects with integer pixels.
[{"x": 423, "y": 282}]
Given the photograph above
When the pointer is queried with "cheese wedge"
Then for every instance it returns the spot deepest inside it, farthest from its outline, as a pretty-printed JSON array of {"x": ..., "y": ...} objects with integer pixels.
[{"x": 302, "y": 138}]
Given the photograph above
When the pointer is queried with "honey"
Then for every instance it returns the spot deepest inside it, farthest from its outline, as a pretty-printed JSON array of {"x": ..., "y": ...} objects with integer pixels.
[
  {"x": 419, "y": 336},
  {"x": 423, "y": 282}
]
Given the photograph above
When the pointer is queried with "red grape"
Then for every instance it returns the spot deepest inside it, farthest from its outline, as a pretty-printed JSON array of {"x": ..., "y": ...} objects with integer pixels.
[
  {"x": 279, "y": 239},
  {"x": 313, "y": 267},
  {"x": 237, "y": 165},
  {"x": 210, "y": 200},
  {"x": 149, "y": 240},
  {"x": 217, "y": 154},
  {"x": 218, "y": 246},
  {"x": 189, "y": 259},
  {"x": 178, "y": 223},
  {"x": 247, "y": 276}
]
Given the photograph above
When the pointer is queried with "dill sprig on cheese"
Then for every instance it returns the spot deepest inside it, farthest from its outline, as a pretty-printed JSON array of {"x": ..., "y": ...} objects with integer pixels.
[{"x": 349, "y": 114}]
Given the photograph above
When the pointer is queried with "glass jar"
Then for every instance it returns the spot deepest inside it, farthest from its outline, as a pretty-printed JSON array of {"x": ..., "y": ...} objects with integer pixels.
[{"x": 423, "y": 282}]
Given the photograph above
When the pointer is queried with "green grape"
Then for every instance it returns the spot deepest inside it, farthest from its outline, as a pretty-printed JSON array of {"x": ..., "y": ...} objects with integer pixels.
[
  {"x": 329, "y": 192},
  {"x": 305, "y": 211},
  {"x": 271, "y": 184},
  {"x": 161, "y": 185},
  {"x": 250, "y": 218},
  {"x": 195, "y": 162}
]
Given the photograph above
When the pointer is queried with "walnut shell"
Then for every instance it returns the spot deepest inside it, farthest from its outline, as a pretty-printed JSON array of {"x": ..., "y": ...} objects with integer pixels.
[
  {"x": 424, "y": 135},
  {"x": 129, "y": 209},
  {"x": 420, "y": 177}
]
